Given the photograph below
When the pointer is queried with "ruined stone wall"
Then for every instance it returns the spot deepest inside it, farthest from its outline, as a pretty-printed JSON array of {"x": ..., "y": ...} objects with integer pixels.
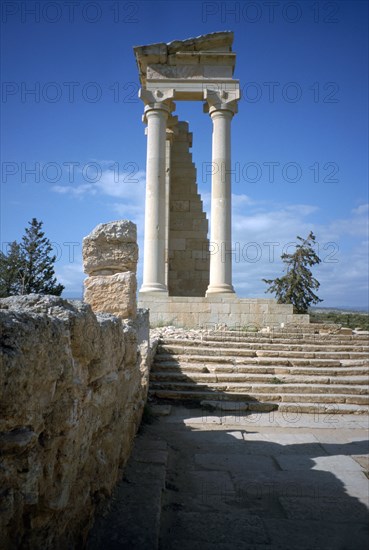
[
  {"x": 188, "y": 273},
  {"x": 73, "y": 385}
]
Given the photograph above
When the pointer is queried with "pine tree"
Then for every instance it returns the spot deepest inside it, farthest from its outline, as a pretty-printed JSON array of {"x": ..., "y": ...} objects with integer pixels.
[
  {"x": 11, "y": 268},
  {"x": 297, "y": 286},
  {"x": 29, "y": 266}
]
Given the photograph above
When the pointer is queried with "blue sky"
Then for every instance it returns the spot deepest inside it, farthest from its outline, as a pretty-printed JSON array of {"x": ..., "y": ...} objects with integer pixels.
[{"x": 73, "y": 149}]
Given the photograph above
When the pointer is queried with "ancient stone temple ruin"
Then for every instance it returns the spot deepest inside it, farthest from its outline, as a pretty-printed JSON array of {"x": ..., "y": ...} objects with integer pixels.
[{"x": 187, "y": 278}]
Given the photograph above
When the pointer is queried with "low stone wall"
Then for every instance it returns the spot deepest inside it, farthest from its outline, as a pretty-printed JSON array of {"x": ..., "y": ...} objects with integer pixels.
[
  {"x": 218, "y": 310},
  {"x": 73, "y": 387}
]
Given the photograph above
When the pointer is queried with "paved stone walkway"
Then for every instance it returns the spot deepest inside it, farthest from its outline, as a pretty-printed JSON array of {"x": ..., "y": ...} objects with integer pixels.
[{"x": 202, "y": 480}]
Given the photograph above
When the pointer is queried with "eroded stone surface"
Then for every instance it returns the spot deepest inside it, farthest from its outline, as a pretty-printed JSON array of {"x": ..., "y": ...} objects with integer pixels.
[
  {"x": 115, "y": 294},
  {"x": 72, "y": 389},
  {"x": 111, "y": 248},
  {"x": 110, "y": 255}
]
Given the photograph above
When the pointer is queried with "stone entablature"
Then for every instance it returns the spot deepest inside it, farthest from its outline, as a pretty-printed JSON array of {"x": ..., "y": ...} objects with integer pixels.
[{"x": 208, "y": 60}]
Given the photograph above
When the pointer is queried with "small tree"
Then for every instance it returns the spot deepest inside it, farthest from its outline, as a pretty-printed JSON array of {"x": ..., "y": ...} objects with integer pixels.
[
  {"x": 11, "y": 268},
  {"x": 297, "y": 286},
  {"x": 29, "y": 266}
]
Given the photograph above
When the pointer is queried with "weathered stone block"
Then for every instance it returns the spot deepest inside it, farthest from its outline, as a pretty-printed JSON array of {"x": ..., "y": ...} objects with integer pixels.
[
  {"x": 200, "y": 224},
  {"x": 196, "y": 206},
  {"x": 202, "y": 265},
  {"x": 180, "y": 223},
  {"x": 111, "y": 248},
  {"x": 179, "y": 264},
  {"x": 183, "y": 255},
  {"x": 180, "y": 206},
  {"x": 177, "y": 244},
  {"x": 114, "y": 294}
]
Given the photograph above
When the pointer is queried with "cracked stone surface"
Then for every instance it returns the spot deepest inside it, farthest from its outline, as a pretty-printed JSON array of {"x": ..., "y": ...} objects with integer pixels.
[{"x": 201, "y": 480}]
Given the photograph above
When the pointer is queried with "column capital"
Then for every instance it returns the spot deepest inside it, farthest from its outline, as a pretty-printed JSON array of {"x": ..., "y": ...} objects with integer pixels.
[
  {"x": 157, "y": 100},
  {"x": 222, "y": 100}
]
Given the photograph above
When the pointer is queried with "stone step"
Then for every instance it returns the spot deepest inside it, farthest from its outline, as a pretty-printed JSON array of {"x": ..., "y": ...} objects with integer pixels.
[
  {"x": 246, "y": 378},
  {"x": 253, "y": 388},
  {"x": 293, "y": 361},
  {"x": 259, "y": 345},
  {"x": 265, "y": 370},
  {"x": 188, "y": 350},
  {"x": 315, "y": 398},
  {"x": 237, "y": 336},
  {"x": 237, "y": 352},
  {"x": 239, "y": 407},
  {"x": 321, "y": 408},
  {"x": 255, "y": 405},
  {"x": 188, "y": 368},
  {"x": 309, "y": 328}
]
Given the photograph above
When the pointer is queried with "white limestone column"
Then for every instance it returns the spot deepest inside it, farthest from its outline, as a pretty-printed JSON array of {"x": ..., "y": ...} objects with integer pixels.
[
  {"x": 154, "y": 280},
  {"x": 221, "y": 232},
  {"x": 167, "y": 203}
]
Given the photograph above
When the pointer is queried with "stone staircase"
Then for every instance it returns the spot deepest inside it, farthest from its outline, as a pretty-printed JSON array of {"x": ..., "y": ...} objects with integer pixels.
[{"x": 288, "y": 371}]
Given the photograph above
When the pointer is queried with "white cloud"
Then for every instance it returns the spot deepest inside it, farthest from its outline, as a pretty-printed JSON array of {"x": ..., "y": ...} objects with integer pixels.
[
  {"x": 343, "y": 272},
  {"x": 363, "y": 209},
  {"x": 130, "y": 187},
  {"x": 71, "y": 275},
  {"x": 356, "y": 225},
  {"x": 79, "y": 191},
  {"x": 127, "y": 185},
  {"x": 128, "y": 190}
]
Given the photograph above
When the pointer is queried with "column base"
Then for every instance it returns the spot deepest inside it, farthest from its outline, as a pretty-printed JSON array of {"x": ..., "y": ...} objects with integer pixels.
[
  {"x": 156, "y": 288},
  {"x": 220, "y": 289}
]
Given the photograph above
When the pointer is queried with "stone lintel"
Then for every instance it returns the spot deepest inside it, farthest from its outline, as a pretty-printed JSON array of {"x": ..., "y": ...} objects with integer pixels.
[
  {"x": 209, "y": 45},
  {"x": 194, "y": 90}
]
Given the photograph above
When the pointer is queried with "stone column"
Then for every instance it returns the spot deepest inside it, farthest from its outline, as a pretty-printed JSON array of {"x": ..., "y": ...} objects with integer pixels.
[
  {"x": 158, "y": 107},
  {"x": 221, "y": 110}
]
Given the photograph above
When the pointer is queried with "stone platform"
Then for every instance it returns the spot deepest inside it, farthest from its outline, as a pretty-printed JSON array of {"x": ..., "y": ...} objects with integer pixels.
[{"x": 218, "y": 309}]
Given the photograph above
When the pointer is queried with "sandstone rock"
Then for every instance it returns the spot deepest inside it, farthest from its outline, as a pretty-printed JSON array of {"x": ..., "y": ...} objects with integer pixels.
[
  {"x": 115, "y": 294},
  {"x": 111, "y": 248}
]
